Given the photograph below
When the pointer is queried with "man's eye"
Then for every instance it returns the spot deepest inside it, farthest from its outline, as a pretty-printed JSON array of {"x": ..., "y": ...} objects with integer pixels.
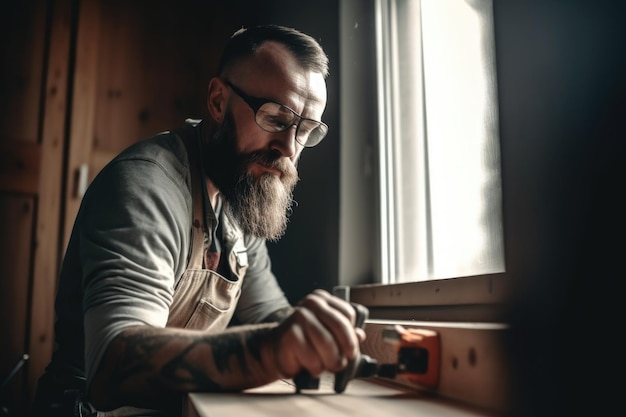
[
  {"x": 305, "y": 130},
  {"x": 279, "y": 122},
  {"x": 307, "y": 127}
]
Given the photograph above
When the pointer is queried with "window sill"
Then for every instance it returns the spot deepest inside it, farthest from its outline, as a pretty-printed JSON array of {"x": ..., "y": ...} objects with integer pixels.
[
  {"x": 472, "y": 368},
  {"x": 469, "y": 315}
]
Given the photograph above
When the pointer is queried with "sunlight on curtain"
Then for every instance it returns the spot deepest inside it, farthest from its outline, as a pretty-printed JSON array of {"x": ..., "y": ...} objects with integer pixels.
[{"x": 440, "y": 160}]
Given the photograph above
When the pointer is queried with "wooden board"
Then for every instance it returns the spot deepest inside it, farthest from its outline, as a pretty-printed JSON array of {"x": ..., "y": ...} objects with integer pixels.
[
  {"x": 16, "y": 223},
  {"x": 473, "y": 368},
  {"x": 45, "y": 240},
  {"x": 361, "y": 399}
]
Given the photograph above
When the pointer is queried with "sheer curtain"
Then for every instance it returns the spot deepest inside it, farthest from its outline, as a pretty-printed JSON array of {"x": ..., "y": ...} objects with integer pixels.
[{"x": 439, "y": 151}]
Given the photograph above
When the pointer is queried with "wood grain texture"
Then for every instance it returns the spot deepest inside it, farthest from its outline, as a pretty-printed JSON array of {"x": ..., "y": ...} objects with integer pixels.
[
  {"x": 16, "y": 223},
  {"x": 19, "y": 167},
  {"x": 85, "y": 80},
  {"x": 361, "y": 399},
  {"x": 46, "y": 249},
  {"x": 22, "y": 47},
  {"x": 473, "y": 366}
]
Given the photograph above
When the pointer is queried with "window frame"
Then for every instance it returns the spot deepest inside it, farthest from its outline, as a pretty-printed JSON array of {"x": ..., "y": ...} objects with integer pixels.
[
  {"x": 361, "y": 207},
  {"x": 469, "y": 312}
]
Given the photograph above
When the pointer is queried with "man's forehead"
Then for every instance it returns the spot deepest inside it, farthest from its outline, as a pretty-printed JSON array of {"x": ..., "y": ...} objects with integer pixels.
[
  {"x": 273, "y": 60},
  {"x": 274, "y": 69}
]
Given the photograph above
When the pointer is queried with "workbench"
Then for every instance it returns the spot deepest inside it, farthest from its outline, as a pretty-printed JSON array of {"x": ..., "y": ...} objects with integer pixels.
[{"x": 362, "y": 398}]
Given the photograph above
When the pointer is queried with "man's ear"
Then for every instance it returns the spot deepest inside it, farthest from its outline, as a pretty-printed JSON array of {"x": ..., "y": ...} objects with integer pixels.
[{"x": 217, "y": 98}]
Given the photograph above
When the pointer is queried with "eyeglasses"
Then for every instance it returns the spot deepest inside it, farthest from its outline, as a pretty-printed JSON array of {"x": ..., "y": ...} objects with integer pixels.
[{"x": 274, "y": 117}]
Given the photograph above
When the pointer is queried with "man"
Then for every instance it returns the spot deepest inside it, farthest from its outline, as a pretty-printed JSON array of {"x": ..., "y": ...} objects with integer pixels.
[{"x": 169, "y": 245}]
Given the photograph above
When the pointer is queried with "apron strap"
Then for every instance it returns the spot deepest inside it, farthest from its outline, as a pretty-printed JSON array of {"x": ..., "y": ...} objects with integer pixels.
[{"x": 188, "y": 136}]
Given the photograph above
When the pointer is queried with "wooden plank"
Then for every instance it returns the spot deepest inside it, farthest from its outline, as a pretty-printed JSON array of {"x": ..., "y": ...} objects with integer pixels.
[
  {"x": 16, "y": 223},
  {"x": 19, "y": 167},
  {"x": 473, "y": 366},
  {"x": 122, "y": 74},
  {"x": 360, "y": 399},
  {"x": 22, "y": 46},
  {"x": 479, "y": 289},
  {"x": 46, "y": 251},
  {"x": 83, "y": 109}
]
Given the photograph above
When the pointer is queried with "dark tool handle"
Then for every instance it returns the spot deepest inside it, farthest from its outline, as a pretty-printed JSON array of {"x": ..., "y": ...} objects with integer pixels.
[
  {"x": 304, "y": 380},
  {"x": 342, "y": 378}
]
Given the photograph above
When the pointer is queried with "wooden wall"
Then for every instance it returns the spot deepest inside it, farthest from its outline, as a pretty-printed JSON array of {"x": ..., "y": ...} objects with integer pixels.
[
  {"x": 81, "y": 80},
  {"x": 35, "y": 43}
]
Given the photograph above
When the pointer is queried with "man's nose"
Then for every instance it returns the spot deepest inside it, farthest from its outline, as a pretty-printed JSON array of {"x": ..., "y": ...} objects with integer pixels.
[{"x": 285, "y": 142}]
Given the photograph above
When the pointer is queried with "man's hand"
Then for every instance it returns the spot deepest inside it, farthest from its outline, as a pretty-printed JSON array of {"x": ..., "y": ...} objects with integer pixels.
[
  {"x": 320, "y": 335},
  {"x": 152, "y": 367}
]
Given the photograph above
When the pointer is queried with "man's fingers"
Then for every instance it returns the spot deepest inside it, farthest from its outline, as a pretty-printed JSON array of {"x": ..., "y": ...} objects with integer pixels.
[
  {"x": 321, "y": 339},
  {"x": 306, "y": 344},
  {"x": 337, "y": 316},
  {"x": 319, "y": 335},
  {"x": 337, "y": 303}
]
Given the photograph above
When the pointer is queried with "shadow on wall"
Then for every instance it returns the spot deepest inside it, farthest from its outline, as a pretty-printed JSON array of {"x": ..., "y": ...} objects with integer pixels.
[{"x": 562, "y": 89}]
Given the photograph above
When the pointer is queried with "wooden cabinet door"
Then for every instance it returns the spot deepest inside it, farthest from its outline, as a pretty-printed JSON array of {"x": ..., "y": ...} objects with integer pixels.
[
  {"x": 142, "y": 67},
  {"x": 35, "y": 47}
]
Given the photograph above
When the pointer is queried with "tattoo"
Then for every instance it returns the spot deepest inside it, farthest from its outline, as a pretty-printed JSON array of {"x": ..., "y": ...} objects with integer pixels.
[
  {"x": 183, "y": 373},
  {"x": 229, "y": 354}
]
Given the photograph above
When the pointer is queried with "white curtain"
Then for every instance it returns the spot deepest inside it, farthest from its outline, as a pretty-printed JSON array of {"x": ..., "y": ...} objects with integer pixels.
[{"x": 440, "y": 160}]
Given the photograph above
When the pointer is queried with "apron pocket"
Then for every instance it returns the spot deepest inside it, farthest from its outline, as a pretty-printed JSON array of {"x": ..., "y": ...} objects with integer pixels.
[
  {"x": 204, "y": 300},
  {"x": 208, "y": 316}
]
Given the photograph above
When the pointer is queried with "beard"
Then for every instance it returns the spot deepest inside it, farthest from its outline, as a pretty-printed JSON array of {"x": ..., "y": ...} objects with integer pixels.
[{"x": 260, "y": 206}]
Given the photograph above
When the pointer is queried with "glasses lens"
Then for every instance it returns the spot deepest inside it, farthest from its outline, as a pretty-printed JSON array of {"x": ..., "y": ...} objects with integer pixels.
[
  {"x": 273, "y": 117},
  {"x": 311, "y": 132}
]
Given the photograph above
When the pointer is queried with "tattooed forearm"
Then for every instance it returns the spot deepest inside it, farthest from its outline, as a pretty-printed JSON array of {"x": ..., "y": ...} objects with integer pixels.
[
  {"x": 138, "y": 346},
  {"x": 231, "y": 346},
  {"x": 231, "y": 353},
  {"x": 154, "y": 364}
]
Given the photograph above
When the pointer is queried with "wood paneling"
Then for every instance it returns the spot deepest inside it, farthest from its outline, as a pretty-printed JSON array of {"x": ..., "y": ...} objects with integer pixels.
[
  {"x": 141, "y": 68},
  {"x": 83, "y": 113},
  {"x": 23, "y": 51},
  {"x": 35, "y": 43},
  {"x": 19, "y": 167},
  {"x": 16, "y": 223},
  {"x": 46, "y": 238},
  {"x": 22, "y": 44}
]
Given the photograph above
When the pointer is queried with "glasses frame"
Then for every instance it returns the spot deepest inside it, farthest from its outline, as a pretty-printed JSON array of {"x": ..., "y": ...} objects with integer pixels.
[{"x": 255, "y": 103}]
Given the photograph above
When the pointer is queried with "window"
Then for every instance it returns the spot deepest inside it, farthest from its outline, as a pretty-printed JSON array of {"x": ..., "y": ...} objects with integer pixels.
[
  {"x": 421, "y": 188},
  {"x": 421, "y": 238},
  {"x": 439, "y": 155}
]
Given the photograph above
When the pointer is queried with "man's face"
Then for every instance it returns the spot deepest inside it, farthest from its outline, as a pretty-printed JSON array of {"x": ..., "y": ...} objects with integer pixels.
[
  {"x": 260, "y": 205},
  {"x": 255, "y": 170}
]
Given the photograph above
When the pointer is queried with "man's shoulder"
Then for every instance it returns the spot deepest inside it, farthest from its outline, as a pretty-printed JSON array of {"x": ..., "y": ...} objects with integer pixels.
[
  {"x": 164, "y": 151},
  {"x": 164, "y": 147}
]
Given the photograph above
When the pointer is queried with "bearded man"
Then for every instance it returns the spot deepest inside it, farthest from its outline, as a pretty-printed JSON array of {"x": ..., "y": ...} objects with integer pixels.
[{"x": 168, "y": 248}]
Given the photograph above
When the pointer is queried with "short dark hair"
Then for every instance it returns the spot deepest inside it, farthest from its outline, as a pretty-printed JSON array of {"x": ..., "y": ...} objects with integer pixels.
[{"x": 245, "y": 42}]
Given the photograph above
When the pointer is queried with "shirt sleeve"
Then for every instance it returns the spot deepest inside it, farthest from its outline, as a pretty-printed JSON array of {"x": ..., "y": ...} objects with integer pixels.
[
  {"x": 134, "y": 224},
  {"x": 261, "y": 295}
]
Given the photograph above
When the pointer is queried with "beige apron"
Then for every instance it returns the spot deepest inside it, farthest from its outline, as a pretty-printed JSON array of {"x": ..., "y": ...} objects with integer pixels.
[{"x": 203, "y": 299}]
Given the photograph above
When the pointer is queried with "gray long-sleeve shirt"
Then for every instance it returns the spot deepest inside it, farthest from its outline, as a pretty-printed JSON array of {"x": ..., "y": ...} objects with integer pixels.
[{"x": 128, "y": 248}]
